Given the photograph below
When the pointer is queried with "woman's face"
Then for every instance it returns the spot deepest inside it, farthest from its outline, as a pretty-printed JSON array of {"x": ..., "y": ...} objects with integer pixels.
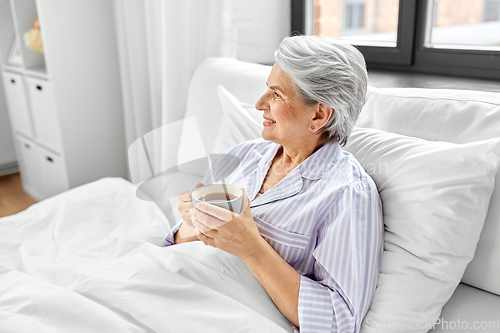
[{"x": 286, "y": 119}]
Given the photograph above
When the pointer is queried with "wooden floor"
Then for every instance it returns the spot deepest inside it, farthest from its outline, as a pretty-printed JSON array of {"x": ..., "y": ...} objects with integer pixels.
[{"x": 12, "y": 197}]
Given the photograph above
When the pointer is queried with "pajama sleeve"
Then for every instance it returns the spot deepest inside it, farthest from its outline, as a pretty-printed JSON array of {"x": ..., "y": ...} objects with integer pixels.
[
  {"x": 348, "y": 257},
  {"x": 169, "y": 238}
]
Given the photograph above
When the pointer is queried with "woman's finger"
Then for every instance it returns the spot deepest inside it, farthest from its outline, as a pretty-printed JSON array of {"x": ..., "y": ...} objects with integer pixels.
[
  {"x": 209, "y": 233},
  {"x": 185, "y": 196},
  {"x": 203, "y": 230},
  {"x": 205, "y": 239},
  {"x": 198, "y": 225},
  {"x": 208, "y": 221},
  {"x": 218, "y": 212}
]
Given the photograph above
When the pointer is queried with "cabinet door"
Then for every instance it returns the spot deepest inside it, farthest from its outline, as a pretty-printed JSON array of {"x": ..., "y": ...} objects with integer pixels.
[
  {"x": 30, "y": 168},
  {"x": 54, "y": 175},
  {"x": 44, "y": 113},
  {"x": 16, "y": 103}
]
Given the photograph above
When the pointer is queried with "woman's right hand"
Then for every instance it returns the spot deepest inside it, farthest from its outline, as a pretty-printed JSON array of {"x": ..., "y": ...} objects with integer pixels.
[{"x": 184, "y": 204}]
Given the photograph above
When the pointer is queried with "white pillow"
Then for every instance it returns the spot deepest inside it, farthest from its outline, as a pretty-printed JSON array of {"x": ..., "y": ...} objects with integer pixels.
[
  {"x": 241, "y": 122},
  {"x": 452, "y": 115},
  {"x": 435, "y": 196}
]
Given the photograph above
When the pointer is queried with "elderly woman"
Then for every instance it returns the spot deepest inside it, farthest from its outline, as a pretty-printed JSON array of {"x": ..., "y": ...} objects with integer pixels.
[{"x": 311, "y": 227}]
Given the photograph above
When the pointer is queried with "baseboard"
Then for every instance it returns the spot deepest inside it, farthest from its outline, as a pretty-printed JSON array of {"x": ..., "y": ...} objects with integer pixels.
[{"x": 8, "y": 168}]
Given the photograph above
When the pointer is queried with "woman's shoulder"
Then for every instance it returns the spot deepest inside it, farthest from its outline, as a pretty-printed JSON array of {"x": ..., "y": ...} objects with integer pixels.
[{"x": 354, "y": 174}]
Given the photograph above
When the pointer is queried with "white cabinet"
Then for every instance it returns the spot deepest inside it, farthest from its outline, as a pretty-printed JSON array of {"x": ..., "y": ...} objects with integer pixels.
[
  {"x": 8, "y": 159},
  {"x": 64, "y": 104},
  {"x": 43, "y": 108},
  {"x": 44, "y": 172},
  {"x": 17, "y": 103},
  {"x": 53, "y": 169},
  {"x": 29, "y": 167}
]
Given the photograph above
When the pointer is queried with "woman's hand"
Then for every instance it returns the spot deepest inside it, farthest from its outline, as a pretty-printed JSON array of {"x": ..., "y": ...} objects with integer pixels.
[
  {"x": 184, "y": 204},
  {"x": 238, "y": 234},
  {"x": 234, "y": 233}
]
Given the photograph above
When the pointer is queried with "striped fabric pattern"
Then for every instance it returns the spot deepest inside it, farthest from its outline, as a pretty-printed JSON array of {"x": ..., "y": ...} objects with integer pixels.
[{"x": 325, "y": 219}]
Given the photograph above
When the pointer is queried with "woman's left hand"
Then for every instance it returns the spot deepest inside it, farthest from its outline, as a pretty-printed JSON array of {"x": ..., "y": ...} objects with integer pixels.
[{"x": 234, "y": 233}]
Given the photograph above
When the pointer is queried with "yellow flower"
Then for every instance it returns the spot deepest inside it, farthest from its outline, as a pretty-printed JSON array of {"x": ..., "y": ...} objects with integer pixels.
[{"x": 33, "y": 40}]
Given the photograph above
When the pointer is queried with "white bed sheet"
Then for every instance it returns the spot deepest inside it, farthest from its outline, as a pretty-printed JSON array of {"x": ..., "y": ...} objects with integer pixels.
[{"x": 90, "y": 260}]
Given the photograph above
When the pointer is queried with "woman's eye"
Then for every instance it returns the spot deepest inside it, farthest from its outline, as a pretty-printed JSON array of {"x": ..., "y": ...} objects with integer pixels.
[{"x": 277, "y": 95}]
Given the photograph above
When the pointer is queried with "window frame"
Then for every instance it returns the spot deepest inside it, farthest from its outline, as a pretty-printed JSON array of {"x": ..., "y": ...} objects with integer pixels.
[
  {"x": 402, "y": 53},
  {"x": 411, "y": 54},
  {"x": 452, "y": 61}
]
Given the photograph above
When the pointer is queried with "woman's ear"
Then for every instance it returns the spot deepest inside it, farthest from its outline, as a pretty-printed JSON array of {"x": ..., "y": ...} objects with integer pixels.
[{"x": 321, "y": 117}]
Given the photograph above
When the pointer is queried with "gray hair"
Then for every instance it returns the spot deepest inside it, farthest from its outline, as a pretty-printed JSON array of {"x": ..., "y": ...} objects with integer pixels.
[{"x": 328, "y": 71}]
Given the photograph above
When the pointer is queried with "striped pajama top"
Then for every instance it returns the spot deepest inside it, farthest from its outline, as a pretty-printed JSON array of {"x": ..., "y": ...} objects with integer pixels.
[{"x": 325, "y": 219}]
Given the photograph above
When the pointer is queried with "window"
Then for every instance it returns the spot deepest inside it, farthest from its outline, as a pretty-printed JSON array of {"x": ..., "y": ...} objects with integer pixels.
[
  {"x": 362, "y": 20},
  {"x": 471, "y": 24},
  {"x": 354, "y": 16},
  {"x": 491, "y": 11},
  {"x": 455, "y": 37}
]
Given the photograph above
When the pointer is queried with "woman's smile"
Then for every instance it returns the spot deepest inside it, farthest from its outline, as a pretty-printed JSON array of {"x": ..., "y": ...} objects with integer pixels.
[{"x": 269, "y": 122}]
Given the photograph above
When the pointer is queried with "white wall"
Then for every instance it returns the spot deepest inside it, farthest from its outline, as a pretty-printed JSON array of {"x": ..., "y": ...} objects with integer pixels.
[
  {"x": 261, "y": 25},
  {"x": 7, "y": 152}
]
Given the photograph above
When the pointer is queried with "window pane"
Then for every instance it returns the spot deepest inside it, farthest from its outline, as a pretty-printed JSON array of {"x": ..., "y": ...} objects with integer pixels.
[
  {"x": 463, "y": 24},
  {"x": 361, "y": 22}
]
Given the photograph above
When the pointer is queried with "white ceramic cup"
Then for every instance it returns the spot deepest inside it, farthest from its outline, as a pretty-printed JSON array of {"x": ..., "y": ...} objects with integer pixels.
[{"x": 216, "y": 195}]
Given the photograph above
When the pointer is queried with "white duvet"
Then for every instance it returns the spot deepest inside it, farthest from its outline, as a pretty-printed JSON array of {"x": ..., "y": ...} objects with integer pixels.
[{"x": 90, "y": 260}]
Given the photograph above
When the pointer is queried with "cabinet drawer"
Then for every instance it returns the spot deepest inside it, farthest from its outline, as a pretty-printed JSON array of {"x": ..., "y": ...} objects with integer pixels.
[
  {"x": 16, "y": 103},
  {"x": 54, "y": 175},
  {"x": 43, "y": 108},
  {"x": 30, "y": 168},
  {"x": 43, "y": 173}
]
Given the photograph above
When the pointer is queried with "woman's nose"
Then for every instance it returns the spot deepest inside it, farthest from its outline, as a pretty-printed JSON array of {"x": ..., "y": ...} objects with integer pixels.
[{"x": 262, "y": 104}]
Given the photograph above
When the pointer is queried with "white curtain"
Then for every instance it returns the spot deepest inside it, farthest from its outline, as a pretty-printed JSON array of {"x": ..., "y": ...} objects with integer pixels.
[{"x": 161, "y": 43}]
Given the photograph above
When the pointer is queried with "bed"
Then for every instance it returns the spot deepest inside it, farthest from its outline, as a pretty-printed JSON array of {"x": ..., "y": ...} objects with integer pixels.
[{"x": 91, "y": 259}]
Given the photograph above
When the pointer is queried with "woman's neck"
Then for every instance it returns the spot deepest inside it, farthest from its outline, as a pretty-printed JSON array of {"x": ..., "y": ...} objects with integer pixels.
[{"x": 294, "y": 156}]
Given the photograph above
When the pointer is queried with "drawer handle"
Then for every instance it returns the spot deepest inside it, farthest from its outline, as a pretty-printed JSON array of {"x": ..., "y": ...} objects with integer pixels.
[
  {"x": 13, "y": 81},
  {"x": 50, "y": 159},
  {"x": 39, "y": 87}
]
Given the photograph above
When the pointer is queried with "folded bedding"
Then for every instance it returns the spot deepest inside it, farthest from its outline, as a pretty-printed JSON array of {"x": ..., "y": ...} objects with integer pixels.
[{"x": 90, "y": 260}]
